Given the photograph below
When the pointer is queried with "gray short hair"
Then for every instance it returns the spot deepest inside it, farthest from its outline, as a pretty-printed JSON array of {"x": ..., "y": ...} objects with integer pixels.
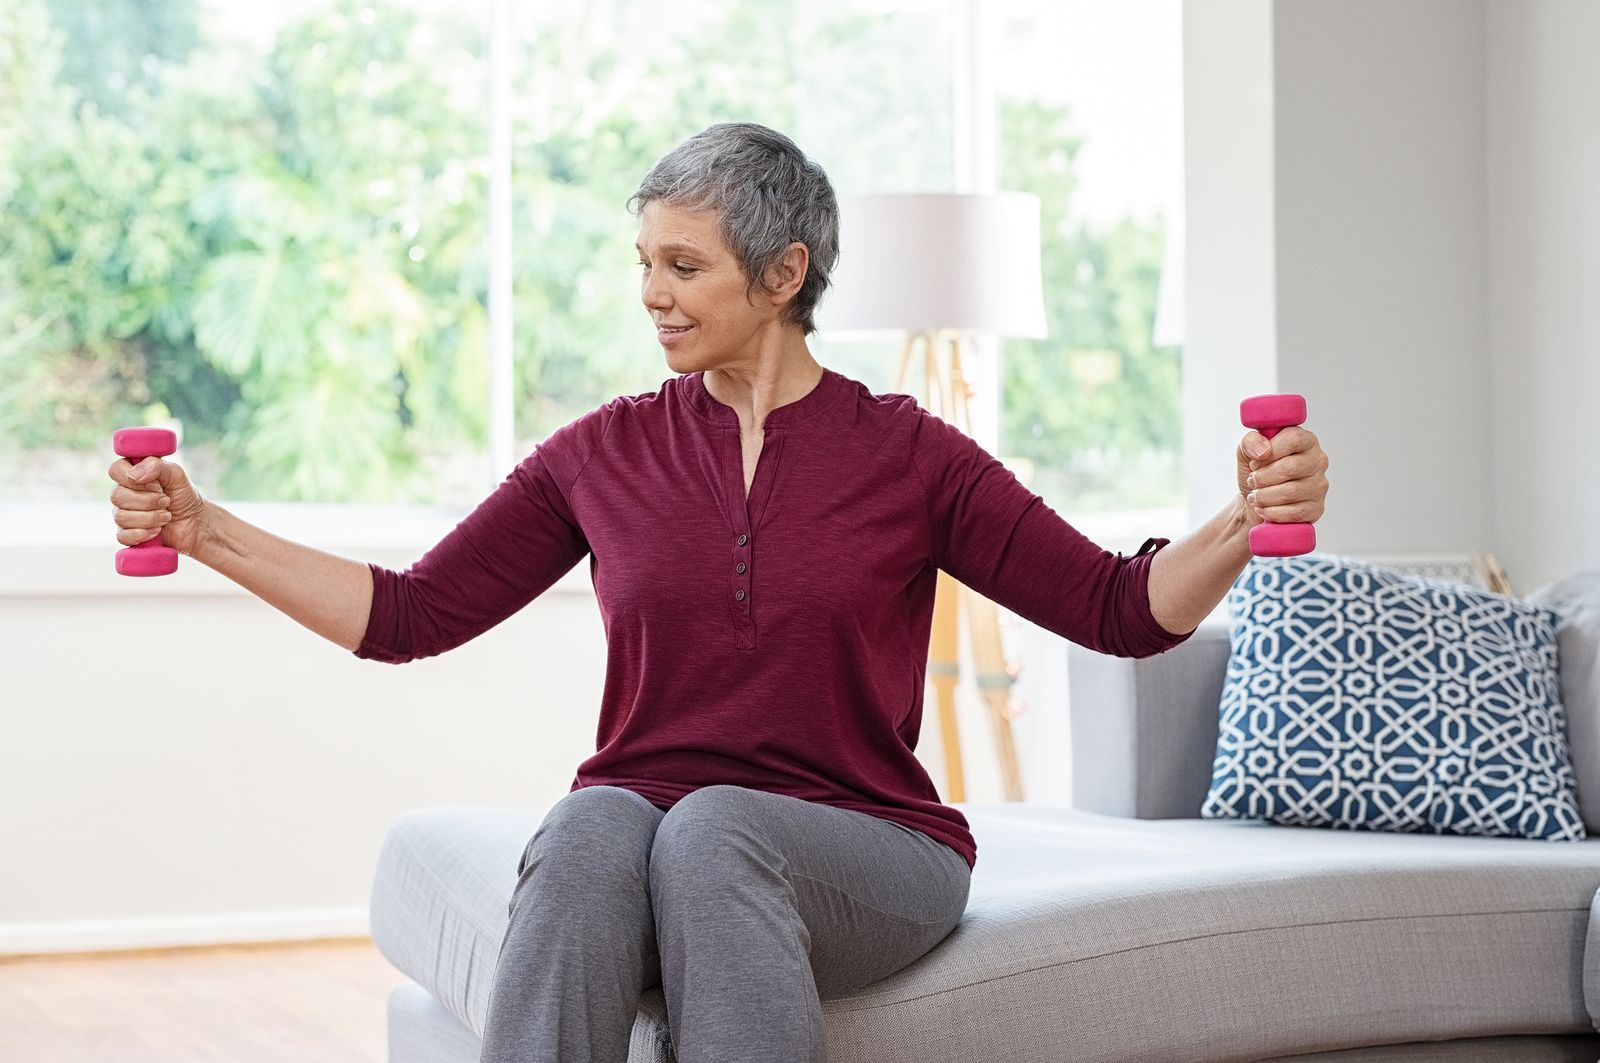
[{"x": 766, "y": 193}]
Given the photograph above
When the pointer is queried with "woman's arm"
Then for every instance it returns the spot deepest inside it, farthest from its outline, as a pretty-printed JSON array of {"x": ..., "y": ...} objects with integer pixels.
[
  {"x": 1189, "y": 576},
  {"x": 1005, "y": 542},
  {"x": 330, "y": 595},
  {"x": 1280, "y": 479}
]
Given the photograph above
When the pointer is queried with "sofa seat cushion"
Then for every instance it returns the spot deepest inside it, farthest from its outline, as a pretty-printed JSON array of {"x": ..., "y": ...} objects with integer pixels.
[{"x": 1124, "y": 939}]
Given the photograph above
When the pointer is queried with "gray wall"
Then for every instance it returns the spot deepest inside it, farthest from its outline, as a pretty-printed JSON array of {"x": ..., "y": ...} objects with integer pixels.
[
  {"x": 1382, "y": 308},
  {"x": 1391, "y": 210},
  {"x": 1544, "y": 281}
]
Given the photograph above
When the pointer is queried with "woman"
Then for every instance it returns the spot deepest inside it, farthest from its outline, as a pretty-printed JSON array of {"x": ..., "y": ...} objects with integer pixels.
[{"x": 753, "y": 831}]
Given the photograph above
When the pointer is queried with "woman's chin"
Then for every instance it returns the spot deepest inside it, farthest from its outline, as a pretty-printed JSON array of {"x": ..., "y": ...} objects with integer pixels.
[{"x": 681, "y": 362}]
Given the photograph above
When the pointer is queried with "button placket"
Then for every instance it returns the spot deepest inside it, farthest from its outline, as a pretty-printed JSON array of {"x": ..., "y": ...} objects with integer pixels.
[
  {"x": 751, "y": 507},
  {"x": 741, "y": 569}
]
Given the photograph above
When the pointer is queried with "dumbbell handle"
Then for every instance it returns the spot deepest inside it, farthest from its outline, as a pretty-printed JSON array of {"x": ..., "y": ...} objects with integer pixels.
[
  {"x": 1269, "y": 415},
  {"x": 151, "y": 557}
]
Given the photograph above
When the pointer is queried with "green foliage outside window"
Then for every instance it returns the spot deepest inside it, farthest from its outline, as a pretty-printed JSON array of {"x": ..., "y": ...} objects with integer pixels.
[
  {"x": 289, "y": 253},
  {"x": 1095, "y": 406}
]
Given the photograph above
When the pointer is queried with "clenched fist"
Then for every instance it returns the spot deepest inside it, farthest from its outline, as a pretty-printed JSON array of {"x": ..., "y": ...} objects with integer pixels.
[
  {"x": 154, "y": 498},
  {"x": 1282, "y": 479}
]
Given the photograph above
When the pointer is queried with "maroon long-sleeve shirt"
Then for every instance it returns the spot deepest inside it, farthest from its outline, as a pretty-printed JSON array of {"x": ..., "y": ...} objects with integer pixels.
[{"x": 779, "y": 642}]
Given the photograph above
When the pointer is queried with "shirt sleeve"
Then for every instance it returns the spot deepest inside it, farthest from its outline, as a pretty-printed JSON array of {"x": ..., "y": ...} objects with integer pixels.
[
  {"x": 1005, "y": 542},
  {"x": 500, "y": 557}
]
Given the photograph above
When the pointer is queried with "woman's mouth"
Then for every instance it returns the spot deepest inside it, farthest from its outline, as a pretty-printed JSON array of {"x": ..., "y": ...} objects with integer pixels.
[{"x": 670, "y": 335}]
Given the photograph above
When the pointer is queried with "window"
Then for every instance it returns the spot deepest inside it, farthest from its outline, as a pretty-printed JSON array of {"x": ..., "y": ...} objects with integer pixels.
[
  {"x": 266, "y": 233},
  {"x": 1089, "y": 100},
  {"x": 267, "y": 224}
]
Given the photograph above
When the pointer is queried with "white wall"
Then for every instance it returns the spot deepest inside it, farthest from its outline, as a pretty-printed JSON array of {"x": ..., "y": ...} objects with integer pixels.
[
  {"x": 1391, "y": 210},
  {"x": 181, "y": 763},
  {"x": 184, "y": 763},
  {"x": 1544, "y": 276}
]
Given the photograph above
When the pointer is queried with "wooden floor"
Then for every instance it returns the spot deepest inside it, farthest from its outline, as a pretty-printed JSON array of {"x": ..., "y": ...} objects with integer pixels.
[{"x": 319, "y": 1002}]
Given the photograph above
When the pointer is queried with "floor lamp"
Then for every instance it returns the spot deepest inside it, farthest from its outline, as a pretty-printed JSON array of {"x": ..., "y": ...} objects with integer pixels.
[{"x": 945, "y": 269}]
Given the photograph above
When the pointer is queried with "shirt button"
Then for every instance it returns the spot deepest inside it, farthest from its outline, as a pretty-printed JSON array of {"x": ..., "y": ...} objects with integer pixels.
[
  {"x": 739, "y": 568},
  {"x": 738, "y": 596},
  {"x": 743, "y": 539}
]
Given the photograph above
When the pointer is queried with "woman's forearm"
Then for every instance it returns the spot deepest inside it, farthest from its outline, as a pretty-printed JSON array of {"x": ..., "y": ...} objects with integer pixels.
[
  {"x": 1189, "y": 576},
  {"x": 330, "y": 595}
]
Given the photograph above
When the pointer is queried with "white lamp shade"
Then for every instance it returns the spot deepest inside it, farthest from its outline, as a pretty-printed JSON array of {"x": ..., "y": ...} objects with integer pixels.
[{"x": 929, "y": 261}]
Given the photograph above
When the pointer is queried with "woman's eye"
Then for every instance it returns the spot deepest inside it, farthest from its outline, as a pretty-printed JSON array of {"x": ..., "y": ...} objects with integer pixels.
[{"x": 679, "y": 266}]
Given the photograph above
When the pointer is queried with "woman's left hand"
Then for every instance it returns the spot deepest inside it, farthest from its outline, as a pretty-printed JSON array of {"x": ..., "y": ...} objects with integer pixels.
[{"x": 1286, "y": 484}]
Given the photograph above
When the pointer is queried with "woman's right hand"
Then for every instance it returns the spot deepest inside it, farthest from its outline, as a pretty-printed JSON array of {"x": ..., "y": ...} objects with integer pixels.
[{"x": 154, "y": 498}]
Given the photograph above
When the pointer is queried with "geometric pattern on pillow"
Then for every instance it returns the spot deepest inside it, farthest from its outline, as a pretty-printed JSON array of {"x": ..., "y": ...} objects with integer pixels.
[{"x": 1359, "y": 697}]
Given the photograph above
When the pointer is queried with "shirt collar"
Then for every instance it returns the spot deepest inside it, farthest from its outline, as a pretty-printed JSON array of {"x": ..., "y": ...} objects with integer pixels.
[{"x": 798, "y": 412}]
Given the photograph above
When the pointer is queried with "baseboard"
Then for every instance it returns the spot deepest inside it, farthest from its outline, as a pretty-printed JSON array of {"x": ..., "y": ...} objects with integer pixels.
[{"x": 23, "y": 939}]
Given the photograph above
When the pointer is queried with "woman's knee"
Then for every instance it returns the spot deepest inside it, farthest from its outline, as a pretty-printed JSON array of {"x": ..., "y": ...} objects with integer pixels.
[
  {"x": 703, "y": 833},
  {"x": 593, "y": 831}
]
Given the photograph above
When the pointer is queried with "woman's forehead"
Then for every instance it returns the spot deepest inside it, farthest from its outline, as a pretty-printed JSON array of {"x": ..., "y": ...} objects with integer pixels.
[{"x": 671, "y": 229}]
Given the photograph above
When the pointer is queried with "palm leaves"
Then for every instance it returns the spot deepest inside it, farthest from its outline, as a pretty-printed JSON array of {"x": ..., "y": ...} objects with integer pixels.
[{"x": 250, "y": 313}]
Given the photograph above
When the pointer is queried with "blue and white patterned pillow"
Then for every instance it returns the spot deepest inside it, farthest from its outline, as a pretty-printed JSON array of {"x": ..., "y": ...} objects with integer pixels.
[{"x": 1359, "y": 697}]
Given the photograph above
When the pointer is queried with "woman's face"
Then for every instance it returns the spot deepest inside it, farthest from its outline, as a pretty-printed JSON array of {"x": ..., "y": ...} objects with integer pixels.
[{"x": 689, "y": 278}]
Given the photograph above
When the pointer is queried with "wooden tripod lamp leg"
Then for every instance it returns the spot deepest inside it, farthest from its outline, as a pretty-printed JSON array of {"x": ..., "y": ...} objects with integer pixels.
[
  {"x": 948, "y": 399},
  {"x": 943, "y": 670},
  {"x": 994, "y": 683},
  {"x": 912, "y": 338},
  {"x": 943, "y": 642},
  {"x": 995, "y": 676},
  {"x": 943, "y": 646}
]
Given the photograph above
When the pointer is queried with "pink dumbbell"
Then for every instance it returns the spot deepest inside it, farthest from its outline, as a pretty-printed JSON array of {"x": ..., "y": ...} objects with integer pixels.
[
  {"x": 1270, "y": 414},
  {"x": 149, "y": 558}
]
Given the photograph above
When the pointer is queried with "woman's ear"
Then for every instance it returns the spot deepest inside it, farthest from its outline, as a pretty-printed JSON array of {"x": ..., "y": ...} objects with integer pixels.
[{"x": 789, "y": 273}]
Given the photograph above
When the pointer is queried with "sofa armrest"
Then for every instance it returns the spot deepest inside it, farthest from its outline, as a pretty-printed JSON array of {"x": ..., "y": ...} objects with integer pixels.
[{"x": 1144, "y": 730}]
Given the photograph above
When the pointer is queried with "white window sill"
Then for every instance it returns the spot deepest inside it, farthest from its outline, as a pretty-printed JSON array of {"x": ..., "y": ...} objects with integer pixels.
[{"x": 67, "y": 548}]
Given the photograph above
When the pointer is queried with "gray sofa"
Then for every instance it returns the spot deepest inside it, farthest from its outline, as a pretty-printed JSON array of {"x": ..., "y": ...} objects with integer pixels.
[{"x": 1123, "y": 929}]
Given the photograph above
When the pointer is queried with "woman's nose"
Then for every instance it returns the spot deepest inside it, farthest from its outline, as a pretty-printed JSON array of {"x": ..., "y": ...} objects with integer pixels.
[{"x": 653, "y": 294}]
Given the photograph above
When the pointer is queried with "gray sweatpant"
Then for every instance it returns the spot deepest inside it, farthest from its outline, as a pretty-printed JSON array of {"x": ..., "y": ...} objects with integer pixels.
[{"x": 747, "y": 907}]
